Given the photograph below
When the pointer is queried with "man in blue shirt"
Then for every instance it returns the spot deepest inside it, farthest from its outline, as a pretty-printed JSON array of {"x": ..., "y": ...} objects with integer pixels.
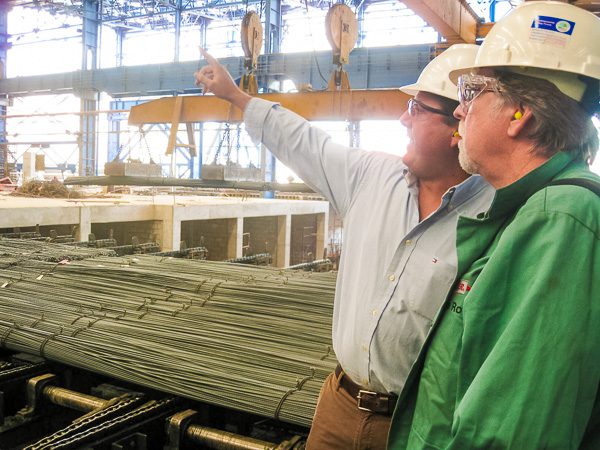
[{"x": 399, "y": 258}]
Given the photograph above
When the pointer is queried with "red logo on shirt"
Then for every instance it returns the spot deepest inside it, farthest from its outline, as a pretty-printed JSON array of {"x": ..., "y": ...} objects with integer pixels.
[{"x": 463, "y": 287}]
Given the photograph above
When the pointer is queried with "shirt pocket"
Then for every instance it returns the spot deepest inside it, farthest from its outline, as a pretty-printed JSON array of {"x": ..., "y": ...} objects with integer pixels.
[{"x": 429, "y": 281}]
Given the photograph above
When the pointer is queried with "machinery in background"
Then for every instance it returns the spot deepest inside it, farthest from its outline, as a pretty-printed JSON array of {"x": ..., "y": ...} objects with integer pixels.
[
  {"x": 318, "y": 265},
  {"x": 341, "y": 27},
  {"x": 46, "y": 405},
  {"x": 258, "y": 259},
  {"x": 251, "y": 33},
  {"x": 110, "y": 243}
]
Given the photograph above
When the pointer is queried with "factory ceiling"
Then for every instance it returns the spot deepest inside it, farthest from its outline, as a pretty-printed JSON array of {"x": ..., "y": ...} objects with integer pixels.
[
  {"x": 162, "y": 14},
  {"x": 141, "y": 15}
]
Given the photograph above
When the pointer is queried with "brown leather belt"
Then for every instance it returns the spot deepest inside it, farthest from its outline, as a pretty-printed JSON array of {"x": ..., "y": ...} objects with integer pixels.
[{"x": 366, "y": 400}]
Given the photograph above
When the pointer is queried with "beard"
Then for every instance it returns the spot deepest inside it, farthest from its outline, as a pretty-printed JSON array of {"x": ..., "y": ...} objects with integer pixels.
[{"x": 466, "y": 163}]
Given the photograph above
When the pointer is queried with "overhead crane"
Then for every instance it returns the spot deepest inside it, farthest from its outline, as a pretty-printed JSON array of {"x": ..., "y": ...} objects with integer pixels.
[{"x": 338, "y": 102}]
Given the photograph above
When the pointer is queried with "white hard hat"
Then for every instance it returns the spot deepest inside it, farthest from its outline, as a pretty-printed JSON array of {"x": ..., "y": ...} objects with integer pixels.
[
  {"x": 552, "y": 40},
  {"x": 434, "y": 77}
]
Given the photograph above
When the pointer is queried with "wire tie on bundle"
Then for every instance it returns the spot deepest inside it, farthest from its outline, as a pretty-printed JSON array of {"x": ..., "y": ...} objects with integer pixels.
[
  {"x": 33, "y": 325},
  {"x": 184, "y": 307},
  {"x": 77, "y": 330},
  {"x": 141, "y": 316},
  {"x": 200, "y": 286},
  {"x": 148, "y": 300},
  {"x": 51, "y": 336},
  {"x": 49, "y": 272},
  {"x": 299, "y": 385},
  {"x": 211, "y": 293},
  {"x": 249, "y": 279},
  {"x": 11, "y": 281},
  {"x": 145, "y": 304},
  {"x": 80, "y": 316},
  {"x": 14, "y": 326},
  {"x": 324, "y": 357},
  {"x": 96, "y": 320}
]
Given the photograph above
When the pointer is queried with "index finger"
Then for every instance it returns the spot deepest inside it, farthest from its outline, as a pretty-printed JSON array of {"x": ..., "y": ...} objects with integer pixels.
[{"x": 208, "y": 56}]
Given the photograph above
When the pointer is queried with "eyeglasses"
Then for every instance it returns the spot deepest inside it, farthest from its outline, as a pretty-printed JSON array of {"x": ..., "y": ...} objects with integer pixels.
[
  {"x": 415, "y": 107},
  {"x": 471, "y": 86}
]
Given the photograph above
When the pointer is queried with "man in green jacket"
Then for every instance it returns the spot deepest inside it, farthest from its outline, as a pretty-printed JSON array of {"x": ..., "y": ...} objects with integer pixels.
[{"x": 513, "y": 359}]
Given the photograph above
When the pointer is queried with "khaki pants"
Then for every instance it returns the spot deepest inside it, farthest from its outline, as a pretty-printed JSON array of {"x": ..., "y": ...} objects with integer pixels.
[{"x": 339, "y": 424}]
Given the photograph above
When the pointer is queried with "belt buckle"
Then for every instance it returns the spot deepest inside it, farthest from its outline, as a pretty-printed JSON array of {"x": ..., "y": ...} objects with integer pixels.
[{"x": 361, "y": 395}]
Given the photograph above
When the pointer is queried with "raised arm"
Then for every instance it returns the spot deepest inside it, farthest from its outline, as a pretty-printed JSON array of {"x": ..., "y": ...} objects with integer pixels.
[
  {"x": 214, "y": 78},
  {"x": 334, "y": 170}
]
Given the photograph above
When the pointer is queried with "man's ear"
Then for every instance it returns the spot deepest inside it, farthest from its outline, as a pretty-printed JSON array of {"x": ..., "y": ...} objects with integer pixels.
[
  {"x": 520, "y": 119},
  {"x": 454, "y": 139}
]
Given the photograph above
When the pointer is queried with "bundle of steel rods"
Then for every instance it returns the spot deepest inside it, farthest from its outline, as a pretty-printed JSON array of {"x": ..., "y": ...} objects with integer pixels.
[
  {"x": 14, "y": 250},
  {"x": 253, "y": 339}
]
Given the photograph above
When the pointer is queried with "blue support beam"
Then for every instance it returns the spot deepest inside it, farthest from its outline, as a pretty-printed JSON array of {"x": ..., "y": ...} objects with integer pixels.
[
  {"x": 88, "y": 151},
  {"x": 272, "y": 45},
  {"x": 88, "y": 161},
  {"x": 90, "y": 24},
  {"x": 272, "y": 26},
  {"x": 114, "y": 151},
  {"x": 369, "y": 68},
  {"x": 200, "y": 153},
  {"x": 177, "y": 30}
]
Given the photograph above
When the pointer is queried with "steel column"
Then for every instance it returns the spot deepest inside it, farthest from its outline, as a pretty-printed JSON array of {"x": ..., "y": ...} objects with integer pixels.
[
  {"x": 114, "y": 125},
  {"x": 120, "y": 35},
  {"x": 177, "y": 30},
  {"x": 90, "y": 35},
  {"x": 88, "y": 161},
  {"x": 272, "y": 45},
  {"x": 272, "y": 26},
  {"x": 3, "y": 98}
]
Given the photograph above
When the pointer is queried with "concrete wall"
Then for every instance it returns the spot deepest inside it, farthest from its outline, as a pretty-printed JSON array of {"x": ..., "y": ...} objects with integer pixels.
[
  {"x": 61, "y": 229},
  {"x": 272, "y": 224},
  {"x": 307, "y": 237},
  {"x": 219, "y": 236},
  {"x": 145, "y": 230},
  {"x": 262, "y": 236}
]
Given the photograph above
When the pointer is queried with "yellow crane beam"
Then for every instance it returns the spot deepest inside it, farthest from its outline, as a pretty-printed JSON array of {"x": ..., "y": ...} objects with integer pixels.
[
  {"x": 352, "y": 105},
  {"x": 453, "y": 19}
]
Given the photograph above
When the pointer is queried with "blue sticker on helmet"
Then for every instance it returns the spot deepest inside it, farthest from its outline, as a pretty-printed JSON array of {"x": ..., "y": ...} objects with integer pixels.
[{"x": 555, "y": 24}]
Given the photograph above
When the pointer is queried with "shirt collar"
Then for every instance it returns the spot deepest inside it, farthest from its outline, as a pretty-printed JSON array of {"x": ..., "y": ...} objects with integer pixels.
[
  {"x": 411, "y": 180},
  {"x": 514, "y": 195},
  {"x": 465, "y": 190},
  {"x": 459, "y": 193}
]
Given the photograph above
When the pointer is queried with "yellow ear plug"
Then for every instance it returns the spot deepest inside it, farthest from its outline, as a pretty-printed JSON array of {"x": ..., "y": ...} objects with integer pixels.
[
  {"x": 518, "y": 115},
  {"x": 456, "y": 134}
]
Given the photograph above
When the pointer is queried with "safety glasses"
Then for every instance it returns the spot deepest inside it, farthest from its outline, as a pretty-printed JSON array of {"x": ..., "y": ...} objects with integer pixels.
[
  {"x": 415, "y": 107},
  {"x": 471, "y": 86}
]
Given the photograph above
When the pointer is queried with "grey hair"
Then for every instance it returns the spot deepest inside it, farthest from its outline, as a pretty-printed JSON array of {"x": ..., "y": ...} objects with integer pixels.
[{"x": 560, "y": 124}]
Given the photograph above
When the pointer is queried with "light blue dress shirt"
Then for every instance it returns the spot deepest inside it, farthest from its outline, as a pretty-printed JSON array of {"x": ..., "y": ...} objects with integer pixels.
[{"x": 395, "y": 271}]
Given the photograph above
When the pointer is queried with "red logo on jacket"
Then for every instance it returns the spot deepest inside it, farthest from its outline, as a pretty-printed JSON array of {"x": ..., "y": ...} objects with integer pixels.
[{"x": 463, "y": 287}]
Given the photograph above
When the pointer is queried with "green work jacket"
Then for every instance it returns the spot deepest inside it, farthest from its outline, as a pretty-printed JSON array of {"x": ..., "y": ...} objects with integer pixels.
[{"x": 513, "y": 358}]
